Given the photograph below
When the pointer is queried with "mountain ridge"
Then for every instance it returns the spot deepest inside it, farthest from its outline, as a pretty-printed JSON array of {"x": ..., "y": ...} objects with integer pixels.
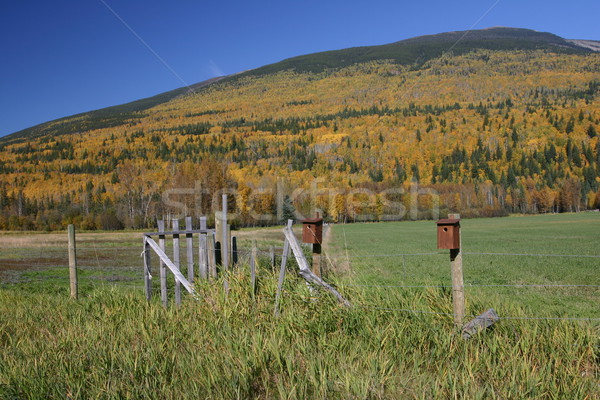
[
  {"x": 462, "y": 41},
  {"x": 412, "y": 50}
]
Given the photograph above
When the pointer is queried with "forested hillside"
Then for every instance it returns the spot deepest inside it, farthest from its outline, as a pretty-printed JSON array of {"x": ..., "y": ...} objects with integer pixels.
[{"x": 507, "y": 127}]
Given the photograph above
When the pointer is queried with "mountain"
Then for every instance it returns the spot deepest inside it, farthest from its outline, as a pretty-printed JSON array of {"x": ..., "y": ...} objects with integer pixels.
[
  {"x": 494, "y": 121},
  {"x": 414, "y": 51},
  {"x": 424, "y": 48}
]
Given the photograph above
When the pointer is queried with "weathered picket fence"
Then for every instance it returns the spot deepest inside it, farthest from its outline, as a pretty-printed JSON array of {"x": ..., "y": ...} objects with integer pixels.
[
  {"x": 216, "y": 251},
  {"x": 209, "y": 261}
]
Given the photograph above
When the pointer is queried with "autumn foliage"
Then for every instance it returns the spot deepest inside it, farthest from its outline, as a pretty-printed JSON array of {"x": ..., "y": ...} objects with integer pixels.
[{"x": 490, "y": 132}]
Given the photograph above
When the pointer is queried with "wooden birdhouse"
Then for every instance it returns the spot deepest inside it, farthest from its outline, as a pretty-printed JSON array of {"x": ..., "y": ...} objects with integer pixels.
[
  {"x": 312, "y": 230},
  {"x": 448, "y": 233}
]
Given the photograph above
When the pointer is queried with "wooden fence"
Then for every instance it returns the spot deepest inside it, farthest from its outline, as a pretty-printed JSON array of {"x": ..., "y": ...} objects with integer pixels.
[
  {"x": 210, "y": 256},
  {"x": 208, "y": 250}
]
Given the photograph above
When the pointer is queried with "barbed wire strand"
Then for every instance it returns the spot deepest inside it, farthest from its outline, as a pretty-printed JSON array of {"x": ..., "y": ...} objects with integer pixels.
[
  {"x": 534, "y": 255},
  {"x": 474, "y": 253},
  {"x": 517, "y": 285}
]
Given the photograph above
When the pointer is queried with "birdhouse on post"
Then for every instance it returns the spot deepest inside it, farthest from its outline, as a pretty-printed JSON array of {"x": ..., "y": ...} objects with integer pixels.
[
  {"x": 312, "y": 230},
  {"x": 448, "y": 233}
]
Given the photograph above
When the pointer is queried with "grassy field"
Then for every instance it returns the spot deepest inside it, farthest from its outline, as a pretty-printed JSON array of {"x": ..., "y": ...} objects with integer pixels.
[
  {"x": 112, "y": 344},
  {"x": 525, "y": 250},
  {"x": 37, "y": 261}
]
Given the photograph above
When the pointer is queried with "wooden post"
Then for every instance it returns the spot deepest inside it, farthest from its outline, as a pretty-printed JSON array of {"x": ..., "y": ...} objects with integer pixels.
[
  {"x": 73, "y": 263},
  {"x": 225, "y": 236},
  {"x": 176, "y": 261},
  {"x": 219, "y": 233},
  {"x": 458, "y": 288},
  {"x": 316, "y": 259},
  {"x": 480, "y": 323},
  {"x": 212, "y": 256},
  {"x": 234, "y": 251},
  {"x": 284, "y": 257},
  {"x": 202, "y": 251},
  {"x": 305, "y": 271},
  {"x": 225, "y": 245},
  {"x": 230, "y": 245},
  {"x": 189, "y": 249},
  {"x": 218, "y": 255},
  {"x": 163, "y": 268},
  {"x": 253, "y": 259},
  {"x": 147, "y": 270},
  {"x": 178, "y": 275}
]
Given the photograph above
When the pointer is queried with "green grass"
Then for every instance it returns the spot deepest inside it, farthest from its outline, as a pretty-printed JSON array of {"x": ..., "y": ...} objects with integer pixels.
[
  {"x": 115, "y": 345},
  {"x": 112, "y": 344},
  {"x": 367, "y": 248}
]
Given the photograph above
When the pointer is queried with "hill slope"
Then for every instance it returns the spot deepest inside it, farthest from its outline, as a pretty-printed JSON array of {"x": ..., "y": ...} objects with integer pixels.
[
  {"x": 424, "y": 48},
  {"x": 406, "y": 52},
  {"x": 102, "y": 118},
  {"x": 494, "y": 121}
]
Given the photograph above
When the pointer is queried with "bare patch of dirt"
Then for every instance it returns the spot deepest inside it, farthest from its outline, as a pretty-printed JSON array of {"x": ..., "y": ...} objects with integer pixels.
[{"x": 29, "y": 263}]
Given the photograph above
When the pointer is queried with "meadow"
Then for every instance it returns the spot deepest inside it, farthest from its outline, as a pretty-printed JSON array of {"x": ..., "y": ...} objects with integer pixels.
[
  {"x": 397, "y": 341},
  {"x": 545, "y": 264}
]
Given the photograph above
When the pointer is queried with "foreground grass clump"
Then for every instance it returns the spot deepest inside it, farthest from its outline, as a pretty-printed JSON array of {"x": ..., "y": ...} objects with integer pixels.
[{"x": 113, "y": 344}]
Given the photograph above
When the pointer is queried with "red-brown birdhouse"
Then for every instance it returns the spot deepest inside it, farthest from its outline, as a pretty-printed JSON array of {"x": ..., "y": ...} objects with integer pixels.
[
  {"x": 448, "y": 233},
  {"x": 312, "y": 230}
]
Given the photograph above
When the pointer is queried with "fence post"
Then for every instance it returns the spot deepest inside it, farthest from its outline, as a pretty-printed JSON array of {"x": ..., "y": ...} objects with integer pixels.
[
  {"x": 305, "y": 271},
  {"x": 202, "y": 251},
  {"x": 458, "y": 288},
  {"x": 189, "y": 249},
  {"x": 212, "y": 255},
  {"x": 176, "y": 260},
  {"x": 234, "y": 251},
  {"x": 163, "y": 268},
  {"x": 316, "y": 259},
  {"x": 73, "y": 263},
  {"x": 225, "y": 236},
  {"x": 147, "y": 270},
  {"x": 219, "y": 235},
  {"x": 284, "y": 256},
  {"x": 225, "y": 246}
]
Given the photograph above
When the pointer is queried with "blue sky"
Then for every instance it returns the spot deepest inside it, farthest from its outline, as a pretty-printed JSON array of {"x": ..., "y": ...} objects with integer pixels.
[{"x": 59, "y": 58}]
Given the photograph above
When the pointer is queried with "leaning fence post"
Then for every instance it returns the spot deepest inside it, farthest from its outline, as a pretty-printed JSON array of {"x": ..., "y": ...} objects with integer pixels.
[
  {"x": 305, "y": 271},
  {"x": 176, "y": 260},
  {"x": 189, "y": 248},
  {"x": 73, "y": 263},
  {"x": 449, "y": 238},
  {"x": 147, "y": 270},
  {"x": 284, "y": 256},
  {"x": 163, "y": 268}
]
